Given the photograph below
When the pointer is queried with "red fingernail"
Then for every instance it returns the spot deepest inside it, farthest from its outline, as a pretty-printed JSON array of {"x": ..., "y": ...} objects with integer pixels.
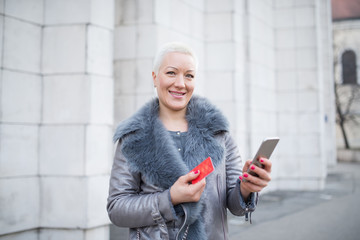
[
  {"x": 240, "y": 178},
  {"x": 261, "y": 160},
  {"x": 252, "y": 167},
  {"x": 246, "y": 175},
  {"x": 196, "y": 172}
]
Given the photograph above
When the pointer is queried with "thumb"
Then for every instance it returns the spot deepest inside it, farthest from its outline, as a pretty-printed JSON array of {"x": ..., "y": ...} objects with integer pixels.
[
  {"x": 192, "y": 175},
  {"x": 246, "y": 165}
]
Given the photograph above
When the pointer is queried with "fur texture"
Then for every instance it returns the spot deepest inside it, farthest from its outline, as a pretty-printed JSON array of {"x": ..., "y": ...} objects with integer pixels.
[{"x": 150, "y": 150}]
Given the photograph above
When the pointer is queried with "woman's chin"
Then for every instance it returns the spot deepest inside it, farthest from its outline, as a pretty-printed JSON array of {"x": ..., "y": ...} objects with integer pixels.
[{"x": 176, "y": 105}]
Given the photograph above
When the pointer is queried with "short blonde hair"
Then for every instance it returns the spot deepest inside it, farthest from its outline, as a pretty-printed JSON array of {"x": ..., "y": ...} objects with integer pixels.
[{"x": 172, "y": 47}]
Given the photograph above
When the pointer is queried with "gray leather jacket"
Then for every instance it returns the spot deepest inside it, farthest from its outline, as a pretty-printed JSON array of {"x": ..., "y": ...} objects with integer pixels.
[{"x": 146, "y": 165}]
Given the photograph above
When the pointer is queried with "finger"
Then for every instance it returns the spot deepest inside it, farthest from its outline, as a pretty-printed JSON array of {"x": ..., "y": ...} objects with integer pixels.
[
  {"x": 199, "y": 186},
  {"x": 246, "y": 165},
  {"x": 253, "y": 184},
  {"x": 192, "y": 175},
  {"x": 251, "y": 187},
  {"x": 266, "y": 163},
  {"x": 258, "y": 182},
  {"x": 262, "y": 173},
  {"x": 196, "y": 190}
]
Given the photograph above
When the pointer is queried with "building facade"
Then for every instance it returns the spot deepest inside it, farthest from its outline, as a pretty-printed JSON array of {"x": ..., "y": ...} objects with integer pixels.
[
  {"x": 346, "y": 35},
  {"x": 71, "y": 70}
]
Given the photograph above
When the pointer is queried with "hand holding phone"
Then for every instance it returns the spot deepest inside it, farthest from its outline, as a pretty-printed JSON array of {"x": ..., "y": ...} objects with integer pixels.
[
  {"x": 205, "y": 168},
  {"x": 266, "y": 149}
]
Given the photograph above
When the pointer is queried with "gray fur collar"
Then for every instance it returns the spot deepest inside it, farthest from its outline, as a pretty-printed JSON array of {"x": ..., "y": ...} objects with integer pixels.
[{"x": 150, "y": 150}]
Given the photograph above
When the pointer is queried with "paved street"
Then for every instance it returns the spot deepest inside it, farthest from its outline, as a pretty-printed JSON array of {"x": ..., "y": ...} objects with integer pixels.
[{"x": 333, "y": 213}]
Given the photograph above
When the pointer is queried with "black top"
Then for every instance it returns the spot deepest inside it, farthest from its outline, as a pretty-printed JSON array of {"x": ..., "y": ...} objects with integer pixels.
[{"x": 179, "y": 139}]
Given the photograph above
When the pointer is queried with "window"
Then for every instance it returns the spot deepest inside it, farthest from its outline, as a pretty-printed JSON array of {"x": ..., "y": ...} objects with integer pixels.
[{"x": 348, "y": 62}]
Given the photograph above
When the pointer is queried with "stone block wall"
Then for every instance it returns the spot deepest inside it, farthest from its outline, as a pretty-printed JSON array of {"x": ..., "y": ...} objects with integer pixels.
[
  {"x": 20, "y": 116},
  {"x": 266, "y": 64},
  {"x": 304, "y": 93},
  {"x": 56, "y": 118},
  {"x": 71, "y": 70},
  {"x": 260, "y": 85},
  {"x": 140, "y": 28}
]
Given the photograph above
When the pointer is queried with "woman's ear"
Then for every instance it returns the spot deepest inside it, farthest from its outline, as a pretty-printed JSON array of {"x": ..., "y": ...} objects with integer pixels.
[{"x": 154, "y": 78}]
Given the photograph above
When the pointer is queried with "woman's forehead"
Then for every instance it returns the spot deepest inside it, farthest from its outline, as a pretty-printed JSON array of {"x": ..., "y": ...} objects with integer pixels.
[{"x": 177, "y": 59}]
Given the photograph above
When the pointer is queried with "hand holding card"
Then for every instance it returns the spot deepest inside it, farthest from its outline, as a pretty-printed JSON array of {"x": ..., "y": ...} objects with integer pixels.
[{"x": 205, "y": 168}]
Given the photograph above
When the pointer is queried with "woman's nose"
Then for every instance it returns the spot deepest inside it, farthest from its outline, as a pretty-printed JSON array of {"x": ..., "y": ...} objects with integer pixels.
[{"x": 180, "y": 82}]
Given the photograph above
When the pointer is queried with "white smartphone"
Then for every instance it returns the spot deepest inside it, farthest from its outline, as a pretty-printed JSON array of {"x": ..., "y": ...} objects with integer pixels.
[{"x": 265, "y": 150}]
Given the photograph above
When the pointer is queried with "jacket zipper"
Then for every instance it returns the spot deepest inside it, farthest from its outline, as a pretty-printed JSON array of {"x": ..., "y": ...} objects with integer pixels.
[
  {"x": 182, "y": 227},
  {"x": 219, "y": 197},
  {"x": 247, "y": 209}
]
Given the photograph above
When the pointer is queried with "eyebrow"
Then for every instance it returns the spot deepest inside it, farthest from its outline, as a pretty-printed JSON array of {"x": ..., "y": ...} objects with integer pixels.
[{"x": 190, "y": 70}]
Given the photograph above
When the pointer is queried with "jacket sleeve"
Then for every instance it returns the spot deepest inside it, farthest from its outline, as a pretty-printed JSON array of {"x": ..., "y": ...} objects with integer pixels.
[
  {"x": 235, "y": 202},
  {"x": 127, "y": 205}
]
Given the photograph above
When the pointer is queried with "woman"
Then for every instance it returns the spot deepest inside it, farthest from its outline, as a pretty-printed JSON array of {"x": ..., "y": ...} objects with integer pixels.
[{"x": 150, "y": 190}]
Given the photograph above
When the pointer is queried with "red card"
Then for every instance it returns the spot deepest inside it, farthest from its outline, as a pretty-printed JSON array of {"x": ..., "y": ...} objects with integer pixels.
[{"x": 206, "y": 167}]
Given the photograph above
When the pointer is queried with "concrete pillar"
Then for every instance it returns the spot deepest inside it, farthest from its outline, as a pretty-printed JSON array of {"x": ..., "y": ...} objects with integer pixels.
[
  {"x": 20, "y": 115},
  {"x": 259, "y": 79},
  {"x": 77, "y": 118},
  {"x": 56, "y": 118},
  {"x": 304, "y": 88}
]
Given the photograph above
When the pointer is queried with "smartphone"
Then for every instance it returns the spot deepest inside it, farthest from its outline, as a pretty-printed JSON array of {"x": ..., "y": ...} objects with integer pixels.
[
  {"x": 205, "y": 167},
  {"x": 265, "y": 150}
]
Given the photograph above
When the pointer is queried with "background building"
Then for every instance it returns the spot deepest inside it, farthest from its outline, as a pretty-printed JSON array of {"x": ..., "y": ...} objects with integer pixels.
[
  {"x": 346, "y": 33},
  {"x": 72, "y": 69}
]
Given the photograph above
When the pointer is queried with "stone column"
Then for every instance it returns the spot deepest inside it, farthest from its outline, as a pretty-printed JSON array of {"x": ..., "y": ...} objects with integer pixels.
[
  {"x": 75, "y": 136},
  {"x": 240, "y": 68},
  {"x": 259, "y": 79},
  {"x": 221, "y": 44},
  {"x": 20, "y": 116},
  {"x": 56, "y": 118},
  {"x": 303, "y": 91}
]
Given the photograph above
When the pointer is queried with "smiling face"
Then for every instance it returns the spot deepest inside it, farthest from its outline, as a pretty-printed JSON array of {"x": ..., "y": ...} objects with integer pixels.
[{"x": 175, "y": 81}]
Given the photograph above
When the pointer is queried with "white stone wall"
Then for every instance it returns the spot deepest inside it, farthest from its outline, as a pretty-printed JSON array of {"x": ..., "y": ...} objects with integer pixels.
[
  {"x": 239, "y": 68},
  {"x": 266, "y": 64},
  {"x": 56, "y": 118},
  {"x": 325, "y": 40},
  {"x": 141, "y": 26},
  {"x": 21, "y": 104},
  {"x": 71, "y": 70},
  {"x": 260, "y": 85},
  {"x": 305, "y": 93}
]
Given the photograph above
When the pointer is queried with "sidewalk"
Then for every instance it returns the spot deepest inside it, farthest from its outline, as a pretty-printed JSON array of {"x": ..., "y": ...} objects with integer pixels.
[{"x": 333, "y": 213}]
